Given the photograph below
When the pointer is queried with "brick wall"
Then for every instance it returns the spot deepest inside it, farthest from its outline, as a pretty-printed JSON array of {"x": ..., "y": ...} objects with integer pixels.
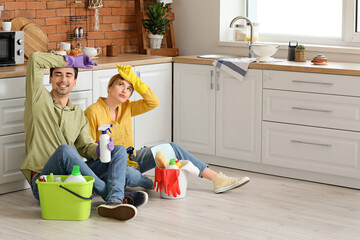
[{"x": 116, "y": 17}]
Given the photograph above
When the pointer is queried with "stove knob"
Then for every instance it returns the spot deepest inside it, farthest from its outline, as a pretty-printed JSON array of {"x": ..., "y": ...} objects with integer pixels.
[
  {"x": 20, "y": 52},
  {"x": 20, "y": 41}
]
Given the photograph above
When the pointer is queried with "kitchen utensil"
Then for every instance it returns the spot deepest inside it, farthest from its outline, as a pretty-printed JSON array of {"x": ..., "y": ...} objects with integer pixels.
[
  {"x": 112, "y": 50},
  {"x": 35, "y": 39},
  {"x": 291, "y": 50},
  {"x": 95, "y": 4},
  {"x": 264, "y": 52},
  {"x": 91, "y": 52},
  {"x": 18, "y": 23},
  {"x": 64, "y": 46}
]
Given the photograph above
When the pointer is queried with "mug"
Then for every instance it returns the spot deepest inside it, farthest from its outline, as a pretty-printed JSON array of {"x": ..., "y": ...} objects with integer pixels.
[
  {"x": 60, "y": 52},
  {"x": 112, "y": 50},
  {"x": 64, "y": 46},
  {"x": 91, "y": 52}
]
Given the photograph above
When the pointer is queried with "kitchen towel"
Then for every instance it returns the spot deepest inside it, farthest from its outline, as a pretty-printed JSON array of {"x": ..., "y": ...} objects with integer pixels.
[{"x": 236, "y": 67}]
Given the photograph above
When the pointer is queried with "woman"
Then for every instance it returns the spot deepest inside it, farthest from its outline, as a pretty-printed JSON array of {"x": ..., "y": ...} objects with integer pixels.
[{"x": 116, "y": 109}]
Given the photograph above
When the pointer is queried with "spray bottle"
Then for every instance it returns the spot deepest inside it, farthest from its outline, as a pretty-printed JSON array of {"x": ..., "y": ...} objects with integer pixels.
[{"x": 105, "y": 154}]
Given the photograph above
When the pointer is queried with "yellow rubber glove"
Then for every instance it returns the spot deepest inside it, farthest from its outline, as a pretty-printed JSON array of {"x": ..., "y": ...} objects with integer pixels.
[{"x": 128, "y": 74}]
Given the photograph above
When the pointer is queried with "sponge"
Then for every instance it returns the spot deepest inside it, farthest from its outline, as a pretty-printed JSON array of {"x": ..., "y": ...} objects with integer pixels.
[{"x": 161, "y": 160}]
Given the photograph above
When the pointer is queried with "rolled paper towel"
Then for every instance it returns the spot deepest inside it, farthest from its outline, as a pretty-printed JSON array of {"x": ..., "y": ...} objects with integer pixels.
[{"x": 189, "y": 167}]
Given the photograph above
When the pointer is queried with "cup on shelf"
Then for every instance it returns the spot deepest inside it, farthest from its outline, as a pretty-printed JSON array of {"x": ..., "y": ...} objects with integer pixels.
[{"x": 64, "y": 46}]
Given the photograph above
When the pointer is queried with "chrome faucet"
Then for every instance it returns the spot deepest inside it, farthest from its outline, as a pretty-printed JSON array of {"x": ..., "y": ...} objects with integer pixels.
[{"x": 251, "y": 54}]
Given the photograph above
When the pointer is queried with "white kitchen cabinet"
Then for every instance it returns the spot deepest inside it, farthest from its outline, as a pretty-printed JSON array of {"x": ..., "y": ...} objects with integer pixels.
[
  {"x": 216, "y": 114},
  {"x": 311, "y": 125},
  {"x": 12, "y": 137},
  {"x": 83, "y": 99},
  {"x": 312, "y": 149},
  {"x": 194, "y": 107},
  {"x": 12, "y": 148},
  {"x": 100, "y": 82},
  {"x": 153, "y": 127}
]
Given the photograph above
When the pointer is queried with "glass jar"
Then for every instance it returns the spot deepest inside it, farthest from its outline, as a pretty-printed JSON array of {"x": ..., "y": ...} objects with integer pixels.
[
  {"x": 239, "y": 32},
  {"x": 255, "y": 32}
]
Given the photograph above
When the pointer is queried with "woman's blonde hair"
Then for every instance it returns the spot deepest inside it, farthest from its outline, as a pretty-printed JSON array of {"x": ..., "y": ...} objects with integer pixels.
[{"x": 115, "y": 80}]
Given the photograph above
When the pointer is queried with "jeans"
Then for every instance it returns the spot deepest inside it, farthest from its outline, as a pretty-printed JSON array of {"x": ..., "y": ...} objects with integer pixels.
[
  {"x": 65, "y": 157},
  {"x": 146, "y": 160}
]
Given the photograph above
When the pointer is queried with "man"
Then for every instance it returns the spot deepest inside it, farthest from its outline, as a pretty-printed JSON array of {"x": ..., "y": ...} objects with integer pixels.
[{"x": 57, "y": 136}]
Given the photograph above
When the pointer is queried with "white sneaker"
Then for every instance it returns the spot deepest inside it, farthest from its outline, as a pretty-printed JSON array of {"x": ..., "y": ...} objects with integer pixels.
[
  {"x": 119, "y": 211},
  {"x": 223, "y": 183}
]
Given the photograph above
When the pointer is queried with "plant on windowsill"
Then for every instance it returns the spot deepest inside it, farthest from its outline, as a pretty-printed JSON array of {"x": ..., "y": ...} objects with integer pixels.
[
  {"x": 157, "y": 22},
  {"x": 300, "y": 54},
  {"x": 6, "y": 25}
]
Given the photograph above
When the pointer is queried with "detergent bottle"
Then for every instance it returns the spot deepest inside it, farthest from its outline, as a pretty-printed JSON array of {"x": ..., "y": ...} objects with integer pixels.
[
  {"x": 105, "y": 154},
  {"x": 172, "y": 164},
  {"x": 75, "y": 175}
]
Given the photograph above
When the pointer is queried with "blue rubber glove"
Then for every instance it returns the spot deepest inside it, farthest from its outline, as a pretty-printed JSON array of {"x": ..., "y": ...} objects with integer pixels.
[
  {"x": 110, "y": 146},
  {"x": 81, "y": 61}
]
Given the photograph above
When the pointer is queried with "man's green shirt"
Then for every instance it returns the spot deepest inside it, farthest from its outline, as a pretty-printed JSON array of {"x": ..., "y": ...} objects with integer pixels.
[{"x": 47, "y": 124}]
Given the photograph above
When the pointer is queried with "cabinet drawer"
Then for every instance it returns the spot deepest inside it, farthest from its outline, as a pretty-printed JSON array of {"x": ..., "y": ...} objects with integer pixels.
[
  {"x": 12, "y": 87},
  {"x": 84, "y": 81},
  {"x": 12, "y": 149},
  {"x": 11, "y": 116},
  {"x": 312, "y": 82},
  {"x": 321, "y": 110},
  {"x": 312, "y": 149}
]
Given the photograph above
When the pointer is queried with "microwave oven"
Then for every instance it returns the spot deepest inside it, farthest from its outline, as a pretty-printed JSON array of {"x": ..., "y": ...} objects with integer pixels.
[{"x": 11, "y": 48}]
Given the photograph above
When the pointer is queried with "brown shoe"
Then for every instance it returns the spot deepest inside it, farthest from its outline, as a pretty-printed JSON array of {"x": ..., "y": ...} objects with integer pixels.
[{"x": 119, "y": 211}]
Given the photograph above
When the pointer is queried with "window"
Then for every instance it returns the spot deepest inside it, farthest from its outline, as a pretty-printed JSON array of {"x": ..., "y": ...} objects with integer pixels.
[
  {"x": 298, "y": 18},
  {"x": 325, "y": 22}
]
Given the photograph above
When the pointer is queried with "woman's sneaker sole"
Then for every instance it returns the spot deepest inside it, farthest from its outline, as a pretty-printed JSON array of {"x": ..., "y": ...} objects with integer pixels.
[
  {"x": 243, "y": 181},
  {"x": 120, "y": 212}
]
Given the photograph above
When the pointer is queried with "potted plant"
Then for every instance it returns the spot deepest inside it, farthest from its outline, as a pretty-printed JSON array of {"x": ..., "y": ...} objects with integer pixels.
[
  {"x": 6, "y": 25},
  {"x": 300, "y": 54},
  {"x": 157, "y": 22}
]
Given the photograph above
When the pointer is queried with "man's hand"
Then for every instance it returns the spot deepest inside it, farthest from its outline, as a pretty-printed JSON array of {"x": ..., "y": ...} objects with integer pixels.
[{"x": 80, "y": 61}]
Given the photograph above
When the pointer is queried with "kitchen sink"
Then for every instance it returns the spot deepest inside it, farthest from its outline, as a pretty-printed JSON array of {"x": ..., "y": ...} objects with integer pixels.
[{"x": 217, "y": 56}]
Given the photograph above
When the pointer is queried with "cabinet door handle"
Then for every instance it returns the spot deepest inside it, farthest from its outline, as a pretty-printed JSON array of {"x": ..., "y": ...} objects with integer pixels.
[
  {"x": 311, "y": 143},
  {"x": 212, "y": 79},
  {"x": 137, "y": 74},
  {"x": 217, "y": 80},
  {"x": 310, "y": 82},
  {"x": 311, "y": 109}
]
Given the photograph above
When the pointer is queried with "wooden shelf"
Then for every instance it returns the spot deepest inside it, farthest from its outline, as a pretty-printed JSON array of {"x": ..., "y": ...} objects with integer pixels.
[{"x": 169, "y": 41}]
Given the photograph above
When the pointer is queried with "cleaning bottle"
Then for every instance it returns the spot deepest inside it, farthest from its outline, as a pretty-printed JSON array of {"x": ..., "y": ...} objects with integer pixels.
[
  {"x": 105, "y": 154},
  {"x": 172, "y": 164},
  {"x": 75, "y": 175}
]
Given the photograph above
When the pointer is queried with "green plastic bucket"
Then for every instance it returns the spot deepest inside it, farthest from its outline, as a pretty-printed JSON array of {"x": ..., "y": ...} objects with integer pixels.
[{"x": 66, "y": 200}]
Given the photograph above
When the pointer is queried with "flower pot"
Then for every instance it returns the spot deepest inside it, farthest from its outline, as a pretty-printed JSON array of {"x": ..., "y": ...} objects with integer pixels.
[
  {"x": 300, "y": 55},
  {"x": 155, "y": 40},
  {"x": 6, "y": 26}
]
